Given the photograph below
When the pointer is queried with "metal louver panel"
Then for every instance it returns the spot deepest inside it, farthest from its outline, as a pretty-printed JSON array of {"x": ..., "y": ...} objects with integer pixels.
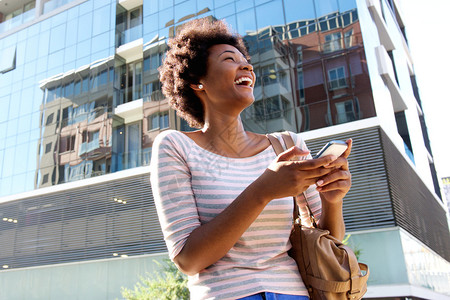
[
  {"x": 91, "y": 222},
  {"x": 368, "y": 204},
  {"x": 416, "y": 209}
]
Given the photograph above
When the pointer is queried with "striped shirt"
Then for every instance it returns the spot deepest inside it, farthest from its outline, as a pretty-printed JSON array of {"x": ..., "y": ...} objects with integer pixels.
[{"x": 192, "y": 185}]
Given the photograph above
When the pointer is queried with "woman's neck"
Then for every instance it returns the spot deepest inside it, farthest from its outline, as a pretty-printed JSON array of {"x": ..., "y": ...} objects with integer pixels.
[{"x": 229, "y": 138}]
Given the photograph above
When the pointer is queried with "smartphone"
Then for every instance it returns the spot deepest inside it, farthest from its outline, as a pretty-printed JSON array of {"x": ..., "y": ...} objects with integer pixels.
[{"x": 333, "y": 147}]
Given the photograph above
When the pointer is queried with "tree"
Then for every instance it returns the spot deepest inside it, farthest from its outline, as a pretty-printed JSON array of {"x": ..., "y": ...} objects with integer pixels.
[
  {"x": 356, "y": 250},
  {"x": 169, "y": 285}
]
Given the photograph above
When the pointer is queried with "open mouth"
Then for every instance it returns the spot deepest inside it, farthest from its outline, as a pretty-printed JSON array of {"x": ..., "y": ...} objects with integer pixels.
[{"x": 245, "y": 81}]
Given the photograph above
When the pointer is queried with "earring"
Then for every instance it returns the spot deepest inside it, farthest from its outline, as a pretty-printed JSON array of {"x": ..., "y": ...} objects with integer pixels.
[{"x": 200, "y": 86}]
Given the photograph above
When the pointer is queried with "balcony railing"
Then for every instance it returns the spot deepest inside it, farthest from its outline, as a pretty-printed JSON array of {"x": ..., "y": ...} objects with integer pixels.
[
  {"x": 128, "y": 35},
  {"x": 17, "y": 20},
  {"x": 53, "y": 4},
  {"x": 154, "y": 96},
  {"x": 87, "y": 147}
]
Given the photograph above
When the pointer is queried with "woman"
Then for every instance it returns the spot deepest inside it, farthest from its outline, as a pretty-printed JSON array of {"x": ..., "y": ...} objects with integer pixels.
[{"x": 224, "y": 199}]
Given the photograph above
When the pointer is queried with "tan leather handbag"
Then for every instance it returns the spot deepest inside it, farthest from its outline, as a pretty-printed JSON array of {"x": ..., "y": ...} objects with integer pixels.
[{"x": 329, "y": 269}]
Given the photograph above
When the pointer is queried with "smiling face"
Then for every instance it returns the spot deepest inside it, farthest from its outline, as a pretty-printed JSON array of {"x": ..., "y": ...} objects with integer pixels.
[{"x": 229, "y": 81}]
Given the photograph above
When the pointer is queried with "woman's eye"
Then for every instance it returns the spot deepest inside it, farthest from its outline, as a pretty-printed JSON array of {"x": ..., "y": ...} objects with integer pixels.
[{"x": 229, "y": 58}]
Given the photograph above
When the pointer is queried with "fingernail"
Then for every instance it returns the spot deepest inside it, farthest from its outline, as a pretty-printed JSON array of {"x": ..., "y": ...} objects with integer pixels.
[{"x": 319, "y": 182}]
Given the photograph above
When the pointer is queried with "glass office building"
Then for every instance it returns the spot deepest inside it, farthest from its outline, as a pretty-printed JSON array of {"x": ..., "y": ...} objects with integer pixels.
[{"x": 81, "y": 104}]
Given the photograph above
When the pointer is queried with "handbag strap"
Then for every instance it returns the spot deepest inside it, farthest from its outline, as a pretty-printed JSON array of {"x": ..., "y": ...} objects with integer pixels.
[{"x": 278, "y": 148}]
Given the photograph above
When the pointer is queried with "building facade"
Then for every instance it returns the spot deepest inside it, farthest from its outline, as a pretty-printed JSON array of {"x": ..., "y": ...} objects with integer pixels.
[{"x": 81, "y": 104}]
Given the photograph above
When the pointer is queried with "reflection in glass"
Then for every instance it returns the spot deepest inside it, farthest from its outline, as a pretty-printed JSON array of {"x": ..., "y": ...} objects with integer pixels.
[
  {"x": 324, "y": 8},
  {"x": 309, "y": 62},
  {"x": 224, "y": 11},
  {"x": 311, "y": 72},
  {"x": 185, "y": 11},
  {"x": 270, "y": 14},
  {"x": 246, "y": 22},
  {"x": 75, "y": 137},
  {"x": 128, "y": 25}
]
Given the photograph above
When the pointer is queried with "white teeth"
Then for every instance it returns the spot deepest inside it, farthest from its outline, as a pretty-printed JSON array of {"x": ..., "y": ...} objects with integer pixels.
[{"x": 240, "y": 80}]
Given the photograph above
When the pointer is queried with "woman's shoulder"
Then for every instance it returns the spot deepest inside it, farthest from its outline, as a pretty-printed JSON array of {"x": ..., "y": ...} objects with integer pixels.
[
  {"x": 172, "y": 140},
  {"x": 170, "y": 136}
]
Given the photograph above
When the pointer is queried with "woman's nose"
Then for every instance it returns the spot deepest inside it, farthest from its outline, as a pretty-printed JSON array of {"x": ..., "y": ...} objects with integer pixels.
[{"x": 246, "y": 66}]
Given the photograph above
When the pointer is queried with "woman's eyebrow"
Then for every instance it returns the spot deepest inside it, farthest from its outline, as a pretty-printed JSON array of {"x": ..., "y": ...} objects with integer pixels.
[
  {"x": 230, "y": 51},
  {"x": 234, "y": 52}
]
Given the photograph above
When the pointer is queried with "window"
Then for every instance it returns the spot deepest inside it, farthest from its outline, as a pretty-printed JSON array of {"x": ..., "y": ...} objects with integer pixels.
[
  {"x": 337, "y": 78},
  {"x": 128, "y": 25},
  {"x": 8, "y": 59},
  {"x": 333, "y": 23},
  {"x": 130, "y": 78},
  {"x": 53, "y": 94},
  {"x": 146, "y": 64},
  {"x": 155, "y": 61},
  {"x": 93, "y": 135},
  {"x": 99, "y": 79},
  {"x": 271, "y": 108},
  {"x": 85, "y": 85},
  {"x": 68, "y": 90},
  {"x": 77, "y": 87},
  {"x": 354, "y": 16},
  {"x": 48, "y": 147},
  {"x": 323, "y": 26},
  {"x": 301, "y": 86},
  {"x": 257, "y": 71},
  {"x": 184, "y": 126},
  {"x": 345, "y": 112},
  {"x": 45, "y": 179},
  {"x": 346, "y": 19},
  {"x": 348, "y": 38},
  {"x": 49, "y": 119},
  {"x": 299, "y": 55},
  {"x": 152, "y": 91},
  {"x": 158, "y": 121},
  {"x": 332, "y": 42},
  {"x": 67, "y": 143},
  {"x": 269, "y": 74}
]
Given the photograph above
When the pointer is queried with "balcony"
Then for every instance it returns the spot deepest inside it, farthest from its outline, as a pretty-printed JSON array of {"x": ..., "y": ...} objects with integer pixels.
[
  {"x": 88, "y": 147},
  {"x": 383, "y": 32},
  {"x": 154, "y": 96},
  {"x": 131, "y": 111},
  {"x": 53, "y": 4},
  {"x": 128, "y": 35},
  {"x": 129, "y": 44},
  {"x": 17, "y": 20},
  {"x": 386, "y": 72},
  {"x": 130, "y": 4}
]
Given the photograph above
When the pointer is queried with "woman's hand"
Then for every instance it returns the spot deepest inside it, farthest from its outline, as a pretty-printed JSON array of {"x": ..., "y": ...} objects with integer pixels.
[
  {"x": 333, "y": 187},
  {"x": 288, "y": 176},
  {"x": 336, "y": 184}
]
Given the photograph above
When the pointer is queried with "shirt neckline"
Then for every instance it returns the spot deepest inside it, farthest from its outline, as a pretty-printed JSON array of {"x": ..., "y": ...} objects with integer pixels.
[{"x": 191, "y": 141}]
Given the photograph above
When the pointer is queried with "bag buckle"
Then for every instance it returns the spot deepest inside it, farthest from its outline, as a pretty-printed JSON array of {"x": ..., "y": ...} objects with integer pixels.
[{"x": 353, "y": 294}]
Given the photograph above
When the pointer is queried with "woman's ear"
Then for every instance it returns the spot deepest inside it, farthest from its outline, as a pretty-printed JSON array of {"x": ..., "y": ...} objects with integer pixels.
[{"x": 196, "y": 87}]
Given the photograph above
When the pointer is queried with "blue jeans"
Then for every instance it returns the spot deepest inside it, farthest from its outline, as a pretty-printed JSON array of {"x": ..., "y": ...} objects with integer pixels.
[{"x": 274, "y": 296}]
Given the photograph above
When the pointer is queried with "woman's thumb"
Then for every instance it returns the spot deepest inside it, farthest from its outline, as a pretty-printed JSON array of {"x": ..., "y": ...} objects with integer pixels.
[{"x": 293, "y": 153}]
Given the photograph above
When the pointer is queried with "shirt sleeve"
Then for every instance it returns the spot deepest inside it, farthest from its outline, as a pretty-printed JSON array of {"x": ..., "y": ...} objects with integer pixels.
[
  {"x": 311, "y": 195},
  {"x": 170, "y": 178}
]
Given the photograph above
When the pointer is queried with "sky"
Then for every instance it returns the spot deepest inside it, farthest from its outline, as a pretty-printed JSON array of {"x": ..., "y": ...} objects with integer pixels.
[{"x": 429, "y": 42}]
